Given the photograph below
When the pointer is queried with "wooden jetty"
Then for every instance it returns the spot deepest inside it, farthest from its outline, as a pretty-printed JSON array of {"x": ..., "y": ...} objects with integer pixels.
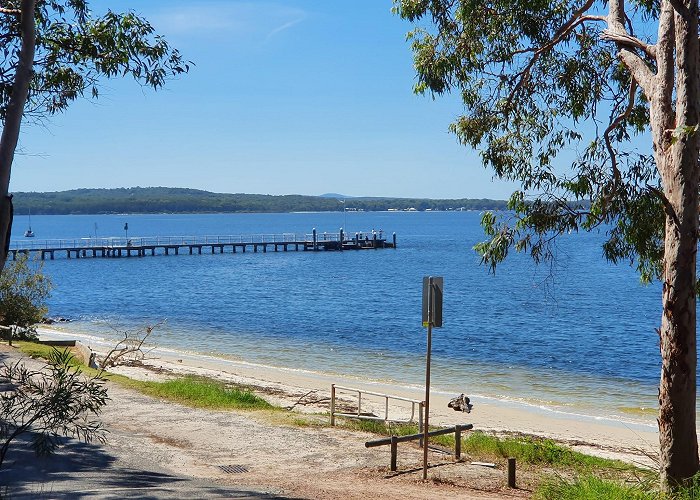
[{"x": 166, "y": 245}]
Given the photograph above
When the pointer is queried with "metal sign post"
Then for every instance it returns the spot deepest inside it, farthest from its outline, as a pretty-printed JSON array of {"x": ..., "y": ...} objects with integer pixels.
[{"x": 432, "y": 317}]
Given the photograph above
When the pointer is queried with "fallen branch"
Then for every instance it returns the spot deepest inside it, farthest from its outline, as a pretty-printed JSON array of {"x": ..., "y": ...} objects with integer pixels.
[{"x": 301, "y": 402}]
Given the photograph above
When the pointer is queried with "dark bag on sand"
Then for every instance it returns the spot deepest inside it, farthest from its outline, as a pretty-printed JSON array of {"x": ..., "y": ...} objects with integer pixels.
[{"x": 460, "y": 403}]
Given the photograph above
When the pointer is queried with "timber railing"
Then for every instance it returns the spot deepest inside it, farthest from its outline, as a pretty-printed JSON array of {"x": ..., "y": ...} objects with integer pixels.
[{"x": 415, "y": 405}]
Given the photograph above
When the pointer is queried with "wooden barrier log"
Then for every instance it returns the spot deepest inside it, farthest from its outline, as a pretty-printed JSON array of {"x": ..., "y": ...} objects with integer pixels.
[{"x": 413, "y": 437}]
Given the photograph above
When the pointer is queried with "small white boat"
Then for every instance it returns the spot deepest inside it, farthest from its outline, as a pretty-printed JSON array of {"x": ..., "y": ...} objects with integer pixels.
[{"x": 29, "y": 233}]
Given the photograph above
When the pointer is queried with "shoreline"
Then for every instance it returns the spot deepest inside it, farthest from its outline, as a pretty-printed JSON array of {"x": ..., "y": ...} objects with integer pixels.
[
  {"x": 580, "y": 396},
  {"x": 611, "y": 438}
]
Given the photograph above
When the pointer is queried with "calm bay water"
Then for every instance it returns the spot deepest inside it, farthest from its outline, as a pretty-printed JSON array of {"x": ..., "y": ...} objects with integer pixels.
[{"x": 578, "y": 337}]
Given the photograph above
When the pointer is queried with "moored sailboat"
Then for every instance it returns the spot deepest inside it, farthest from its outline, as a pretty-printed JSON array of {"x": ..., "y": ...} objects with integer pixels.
[{"x": 29, "y": 233}]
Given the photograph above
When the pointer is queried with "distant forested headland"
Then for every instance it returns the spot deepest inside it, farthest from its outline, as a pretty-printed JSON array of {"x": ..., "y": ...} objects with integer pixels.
[{"x": 179, "y": 200}]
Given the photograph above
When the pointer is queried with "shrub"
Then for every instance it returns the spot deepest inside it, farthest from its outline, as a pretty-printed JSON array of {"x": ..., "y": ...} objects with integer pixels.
[
  {"x": 54, "y": 401},
  {"x": 23, "y": 293}
]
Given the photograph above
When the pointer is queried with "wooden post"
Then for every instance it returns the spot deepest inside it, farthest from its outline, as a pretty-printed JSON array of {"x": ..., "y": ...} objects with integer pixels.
[
  {"x": 421, "y": 407},
  {"x": 458, "y": 442},
  {"x": 427, "y": 382},
  {"x": 511, "y": 473},
  {"x": 394, "y": 238},
  {"x": 332, "y": 405},
  {"x": 10, "y": 332},
  {"x": 394, "y": 452}
]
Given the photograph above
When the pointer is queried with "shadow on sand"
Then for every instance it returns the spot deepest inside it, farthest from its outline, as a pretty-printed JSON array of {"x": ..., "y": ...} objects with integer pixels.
[
  {"x": 79, "y": 470},
  {"x": 89, "y": 470}
]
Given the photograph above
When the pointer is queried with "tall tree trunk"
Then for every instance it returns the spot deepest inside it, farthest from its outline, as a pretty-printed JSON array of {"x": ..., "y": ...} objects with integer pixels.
[
  {"x": 677, "y": 391},
  {"x": 13, "y": 120}
]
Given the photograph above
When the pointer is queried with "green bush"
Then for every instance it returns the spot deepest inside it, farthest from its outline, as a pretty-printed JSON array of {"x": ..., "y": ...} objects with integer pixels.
[
  {"x": 48, "y": 403},
  {"x": 23, "y": 293}
]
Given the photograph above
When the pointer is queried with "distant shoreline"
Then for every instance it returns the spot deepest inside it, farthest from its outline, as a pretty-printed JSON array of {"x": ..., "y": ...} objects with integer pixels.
[{"x": 158, "y": 200}]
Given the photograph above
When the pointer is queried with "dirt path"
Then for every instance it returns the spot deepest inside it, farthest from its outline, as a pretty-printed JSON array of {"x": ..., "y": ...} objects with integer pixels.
[
  {"x": 153, "y": 439},
  {"x": 301, "y": 462}
]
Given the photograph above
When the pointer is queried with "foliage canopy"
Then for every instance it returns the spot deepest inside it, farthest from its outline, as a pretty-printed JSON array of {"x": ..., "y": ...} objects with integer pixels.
[
  {"x": 74, "y": 49},
  {"x": 552, "y": 107}
]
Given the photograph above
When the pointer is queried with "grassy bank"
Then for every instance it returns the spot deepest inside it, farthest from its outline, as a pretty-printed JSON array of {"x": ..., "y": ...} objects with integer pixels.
[{"x": 198, "y": 392}]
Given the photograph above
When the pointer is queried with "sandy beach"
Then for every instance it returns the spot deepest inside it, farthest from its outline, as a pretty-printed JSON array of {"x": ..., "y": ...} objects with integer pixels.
[{"x": 193, "y": 440}]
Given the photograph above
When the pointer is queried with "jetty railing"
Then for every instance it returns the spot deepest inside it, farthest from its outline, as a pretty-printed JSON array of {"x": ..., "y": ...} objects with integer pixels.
[
  {"x": 139, "y": 246},
  {"x": 114, "y": 242},
  {"x": 415, "y": 404},
  {"x": 146, "y": 241}
]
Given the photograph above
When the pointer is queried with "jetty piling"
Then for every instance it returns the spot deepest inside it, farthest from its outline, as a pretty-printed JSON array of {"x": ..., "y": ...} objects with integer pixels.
[{"x": 166, "y": 245}]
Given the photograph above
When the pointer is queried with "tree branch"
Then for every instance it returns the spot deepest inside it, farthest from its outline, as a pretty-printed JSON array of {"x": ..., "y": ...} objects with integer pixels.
[
  {"x": 668, "y": 208},
  {"x": 10, "y": 12},
  {"x": 613, "y": 125},
  {"x": 617, "y": 31},
  {"x": 629, "y": 41},
  {"x": 681, "y": 9},
  {"x": 639, "y": 70},
  {"x": 576, "y": 19}
]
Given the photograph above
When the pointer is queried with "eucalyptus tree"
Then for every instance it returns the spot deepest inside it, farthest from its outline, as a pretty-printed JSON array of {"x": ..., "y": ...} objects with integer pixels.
[
  {"x": 592, "y": 107},
  {"x": 56, "y": 51}
]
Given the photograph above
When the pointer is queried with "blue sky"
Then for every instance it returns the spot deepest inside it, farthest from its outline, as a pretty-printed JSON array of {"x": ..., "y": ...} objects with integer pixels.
[{"x": 304, "y": 97}]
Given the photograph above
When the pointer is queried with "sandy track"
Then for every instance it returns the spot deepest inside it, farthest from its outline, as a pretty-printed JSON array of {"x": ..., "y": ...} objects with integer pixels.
[
  {"x": 291, "y": 461},
  {"x": 305, "y": 462}
]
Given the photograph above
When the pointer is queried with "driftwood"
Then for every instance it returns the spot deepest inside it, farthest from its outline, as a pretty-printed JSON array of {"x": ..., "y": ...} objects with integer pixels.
[
  {"x": 130, "y": 349},
  {"x": 301, "y": 402}
]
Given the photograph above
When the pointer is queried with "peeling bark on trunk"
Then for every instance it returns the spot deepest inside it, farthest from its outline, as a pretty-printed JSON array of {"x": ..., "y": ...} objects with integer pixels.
[
  {"x": 677, "y": 390},
  {"x": 13, "y": 120},
  {"x": 679, "y": 171}
]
